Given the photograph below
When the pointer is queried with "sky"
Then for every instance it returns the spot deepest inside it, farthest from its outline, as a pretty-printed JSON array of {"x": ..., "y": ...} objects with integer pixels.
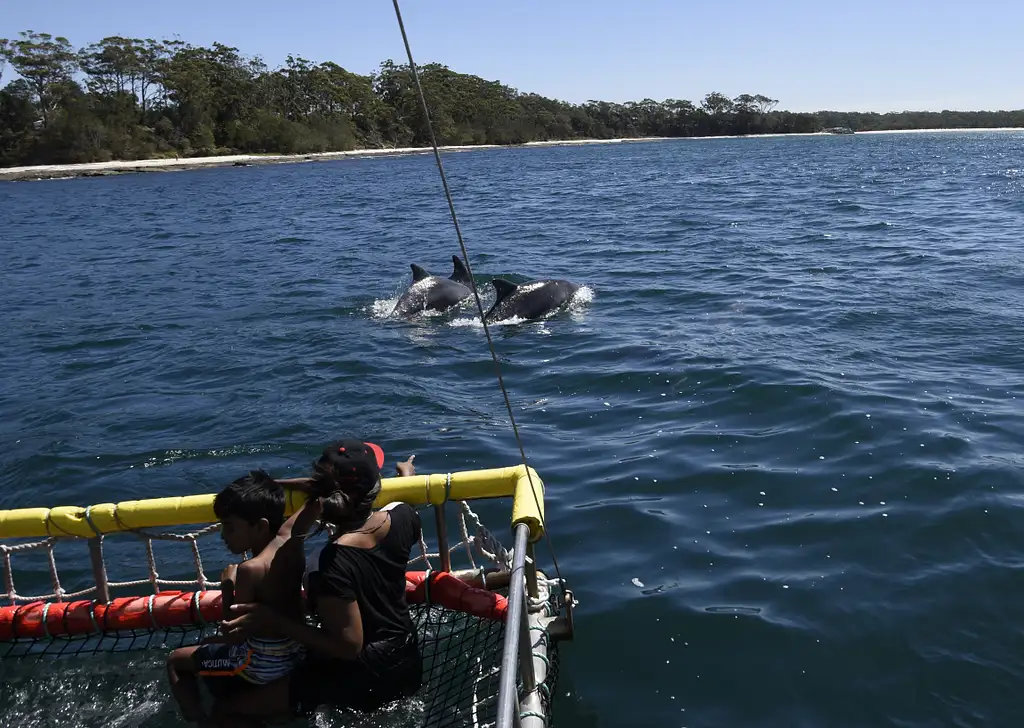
[{"x": 867, "y": 55}]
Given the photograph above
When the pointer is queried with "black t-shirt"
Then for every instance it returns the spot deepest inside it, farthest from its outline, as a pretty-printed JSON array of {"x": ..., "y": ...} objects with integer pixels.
[{"x": 374, "y": 578}]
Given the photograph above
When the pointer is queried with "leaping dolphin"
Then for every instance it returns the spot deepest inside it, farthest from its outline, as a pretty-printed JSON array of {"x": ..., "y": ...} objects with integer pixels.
[
  {"x": 433, "y": 293},
  {"x": 531, "y": 300}
]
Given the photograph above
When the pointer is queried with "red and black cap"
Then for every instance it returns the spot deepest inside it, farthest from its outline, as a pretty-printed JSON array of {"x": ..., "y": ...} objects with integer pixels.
[{"x": 355, "y": 464}]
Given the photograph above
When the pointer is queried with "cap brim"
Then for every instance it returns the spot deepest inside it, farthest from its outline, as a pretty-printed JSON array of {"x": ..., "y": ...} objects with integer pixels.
[{"x": 378, "y": 453}]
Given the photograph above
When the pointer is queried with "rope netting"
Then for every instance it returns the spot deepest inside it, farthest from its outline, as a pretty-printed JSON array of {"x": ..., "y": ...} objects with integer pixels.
[
  {"x": 59, "y": 594},
  {"x": 476, "y": 544},
  {"x": 461, "y": 650}
]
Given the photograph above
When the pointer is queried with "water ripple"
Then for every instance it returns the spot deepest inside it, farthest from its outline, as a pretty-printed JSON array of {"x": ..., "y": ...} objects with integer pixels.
[{"x": 789, "y": 406}]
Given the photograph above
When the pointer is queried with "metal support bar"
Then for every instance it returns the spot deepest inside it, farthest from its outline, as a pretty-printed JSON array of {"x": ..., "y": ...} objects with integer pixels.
[
  {"x": 508, "y": 695},
  {"x": 99, "y": 571},
  {"x": 442, "y": 537},
  {"x": 531, "y": 571},
  {"x": 529, "y": 678},
  {"x": 532, "y": 710}
]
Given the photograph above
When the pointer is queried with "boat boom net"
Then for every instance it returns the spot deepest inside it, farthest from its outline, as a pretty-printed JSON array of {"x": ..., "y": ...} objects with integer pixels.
[{"x": 86, "y": 583}]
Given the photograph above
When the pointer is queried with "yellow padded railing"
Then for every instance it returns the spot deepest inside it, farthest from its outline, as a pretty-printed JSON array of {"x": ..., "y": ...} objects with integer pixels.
[{"x": 435, "y": 489}]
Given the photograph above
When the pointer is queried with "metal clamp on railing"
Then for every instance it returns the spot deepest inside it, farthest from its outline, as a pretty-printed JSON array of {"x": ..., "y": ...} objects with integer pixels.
[{"x": 441, "y": 522}]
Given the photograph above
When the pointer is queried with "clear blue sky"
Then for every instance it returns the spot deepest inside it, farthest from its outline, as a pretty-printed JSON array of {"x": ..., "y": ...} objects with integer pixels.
[{"x": 869, "y": 55}]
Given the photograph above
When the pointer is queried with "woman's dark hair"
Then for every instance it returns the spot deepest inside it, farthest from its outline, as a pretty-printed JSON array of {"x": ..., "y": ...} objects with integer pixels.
[{"x": 347, "y": 505}]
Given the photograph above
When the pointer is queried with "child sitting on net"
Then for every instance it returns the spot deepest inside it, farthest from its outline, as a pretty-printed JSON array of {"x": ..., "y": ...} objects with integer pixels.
[{"x": 251, "y": 512}]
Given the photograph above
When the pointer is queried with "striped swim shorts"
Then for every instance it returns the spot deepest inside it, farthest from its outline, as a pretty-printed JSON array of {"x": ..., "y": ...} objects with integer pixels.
[{"x": 256, "y": 661}]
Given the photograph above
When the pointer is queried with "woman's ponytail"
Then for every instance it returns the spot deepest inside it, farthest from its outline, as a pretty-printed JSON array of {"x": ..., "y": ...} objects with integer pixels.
[{"x": 343, "y": 510}]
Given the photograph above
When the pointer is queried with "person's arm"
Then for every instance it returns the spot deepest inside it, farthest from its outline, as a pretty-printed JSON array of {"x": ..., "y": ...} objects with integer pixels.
[
  {"x": 405, "y": 468},
  {"x": 227, "y": 588},
  {"x": 341, "y": 633},
  {"x": 238, "y": 586},
  {"x": 283, "y": 556},
  {"x": 340, "y": 637},
  {"x": 297, "y": 525},
  {"x": 303, "y": 485}
]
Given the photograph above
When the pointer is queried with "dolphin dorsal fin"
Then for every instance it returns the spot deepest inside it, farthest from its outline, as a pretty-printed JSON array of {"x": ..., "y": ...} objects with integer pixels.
[
  {"x": 418, "y": 274},
  {"x": 459, "y": 272},
  {"x": 503, "y": 289}
]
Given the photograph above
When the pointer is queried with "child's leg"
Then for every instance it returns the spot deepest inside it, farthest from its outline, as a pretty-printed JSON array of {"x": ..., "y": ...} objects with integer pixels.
[{"x": 181, "y": 673}]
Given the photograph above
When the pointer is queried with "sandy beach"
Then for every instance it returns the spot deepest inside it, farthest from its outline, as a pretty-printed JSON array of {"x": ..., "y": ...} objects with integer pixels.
[{"x": 99, "y": 169}]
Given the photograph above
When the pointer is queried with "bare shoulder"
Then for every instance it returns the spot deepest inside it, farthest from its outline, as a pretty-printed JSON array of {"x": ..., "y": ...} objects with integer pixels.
[{"x": 253, "y": 569}]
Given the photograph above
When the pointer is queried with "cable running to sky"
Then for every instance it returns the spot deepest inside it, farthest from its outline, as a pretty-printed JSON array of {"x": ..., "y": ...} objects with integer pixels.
[{"x": 465, "y": 258}]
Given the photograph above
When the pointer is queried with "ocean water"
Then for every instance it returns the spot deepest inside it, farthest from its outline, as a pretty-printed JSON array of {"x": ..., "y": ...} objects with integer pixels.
[{"x": 781, "y": 431}]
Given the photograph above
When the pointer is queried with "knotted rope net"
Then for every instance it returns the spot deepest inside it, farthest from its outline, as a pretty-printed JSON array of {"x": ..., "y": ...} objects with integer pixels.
[{"x": 168, "y": 599}]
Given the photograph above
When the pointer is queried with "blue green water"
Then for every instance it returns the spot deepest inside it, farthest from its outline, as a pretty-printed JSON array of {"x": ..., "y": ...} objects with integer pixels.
[{"x": 789, "y": 407}]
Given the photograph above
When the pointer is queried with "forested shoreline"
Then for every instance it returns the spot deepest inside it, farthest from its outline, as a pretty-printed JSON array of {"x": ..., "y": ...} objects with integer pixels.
[{"x": 129, "y": 98}]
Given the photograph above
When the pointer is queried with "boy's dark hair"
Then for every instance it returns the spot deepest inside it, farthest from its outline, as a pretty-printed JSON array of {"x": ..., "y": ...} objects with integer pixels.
[{"x": 252, "y": 497}]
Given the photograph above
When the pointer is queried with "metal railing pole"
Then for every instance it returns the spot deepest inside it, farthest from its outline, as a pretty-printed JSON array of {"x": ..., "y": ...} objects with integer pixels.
[
  {"x": 508, "y": 695},
  {"x": 99, "y": 570},
  {"x": 531, "y": 572},
  {"x": 442, "y": 537}
]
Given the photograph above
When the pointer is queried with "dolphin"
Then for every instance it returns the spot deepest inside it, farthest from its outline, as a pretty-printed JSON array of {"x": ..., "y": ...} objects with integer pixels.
[
  {"x": 528, "y": 300},
  {"x": 433, "y": 293}
]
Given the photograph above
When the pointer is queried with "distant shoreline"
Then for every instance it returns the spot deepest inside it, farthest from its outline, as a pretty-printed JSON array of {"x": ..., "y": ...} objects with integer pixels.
[{"x": 101, "y": 169}]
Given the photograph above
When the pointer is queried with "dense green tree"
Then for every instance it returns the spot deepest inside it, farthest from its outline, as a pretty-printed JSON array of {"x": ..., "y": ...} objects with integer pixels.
[
  {"x": 46, "y": 63},
  {"x": 17, "y": 117},
  {"x": 130, "y": 66},
  {"x": 130, "y": 98}
]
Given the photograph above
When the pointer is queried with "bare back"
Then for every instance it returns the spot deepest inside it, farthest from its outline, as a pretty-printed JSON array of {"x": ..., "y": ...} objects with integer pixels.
[{"x": 274, "y": 577}]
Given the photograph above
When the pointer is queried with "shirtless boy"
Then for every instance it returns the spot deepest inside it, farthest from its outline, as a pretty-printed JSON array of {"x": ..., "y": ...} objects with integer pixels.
[{"x": 251, "y": 512}]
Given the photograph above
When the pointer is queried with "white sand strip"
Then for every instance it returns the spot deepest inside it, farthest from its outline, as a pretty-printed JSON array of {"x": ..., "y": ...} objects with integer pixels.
[{"x": 44, "y": 171}]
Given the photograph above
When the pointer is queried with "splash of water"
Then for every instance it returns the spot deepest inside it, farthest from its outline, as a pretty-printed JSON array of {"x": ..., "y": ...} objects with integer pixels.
[
  {"x": 382, "y": 308},
  {"x": 576, "y": 307}
]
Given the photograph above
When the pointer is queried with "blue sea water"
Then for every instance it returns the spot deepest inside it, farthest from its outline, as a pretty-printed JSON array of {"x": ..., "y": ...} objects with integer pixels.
[{"x": 781, "y": 432}]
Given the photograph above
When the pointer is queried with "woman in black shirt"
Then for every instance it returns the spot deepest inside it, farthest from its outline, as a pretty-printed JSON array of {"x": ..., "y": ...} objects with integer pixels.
[{"x": 365, "y": 653}]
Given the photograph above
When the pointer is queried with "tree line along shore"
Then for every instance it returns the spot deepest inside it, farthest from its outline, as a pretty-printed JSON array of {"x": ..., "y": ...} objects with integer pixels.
[{"x": 130, "y": 99}]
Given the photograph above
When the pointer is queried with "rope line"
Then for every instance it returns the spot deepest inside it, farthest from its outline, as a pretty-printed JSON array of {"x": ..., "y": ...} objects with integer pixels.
[
  {"x": 472, "y": 279},
  {"x": 476, "y": 541}
]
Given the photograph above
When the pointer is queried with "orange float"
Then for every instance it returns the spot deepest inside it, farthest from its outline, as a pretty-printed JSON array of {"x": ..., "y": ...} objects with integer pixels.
[
  {"x": 164, "y": 610},
  {"x": 451, "y": 592},
  {"x": 39, "y": 620}
]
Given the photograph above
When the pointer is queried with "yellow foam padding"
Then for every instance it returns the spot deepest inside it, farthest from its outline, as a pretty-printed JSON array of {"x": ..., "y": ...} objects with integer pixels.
[{"x": 515, "y": 481}]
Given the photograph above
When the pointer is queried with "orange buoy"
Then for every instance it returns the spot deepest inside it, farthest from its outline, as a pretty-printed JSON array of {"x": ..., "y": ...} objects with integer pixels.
[
  {"x": 39, "y": 620},
  {"x": 451, "y": 592}
]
